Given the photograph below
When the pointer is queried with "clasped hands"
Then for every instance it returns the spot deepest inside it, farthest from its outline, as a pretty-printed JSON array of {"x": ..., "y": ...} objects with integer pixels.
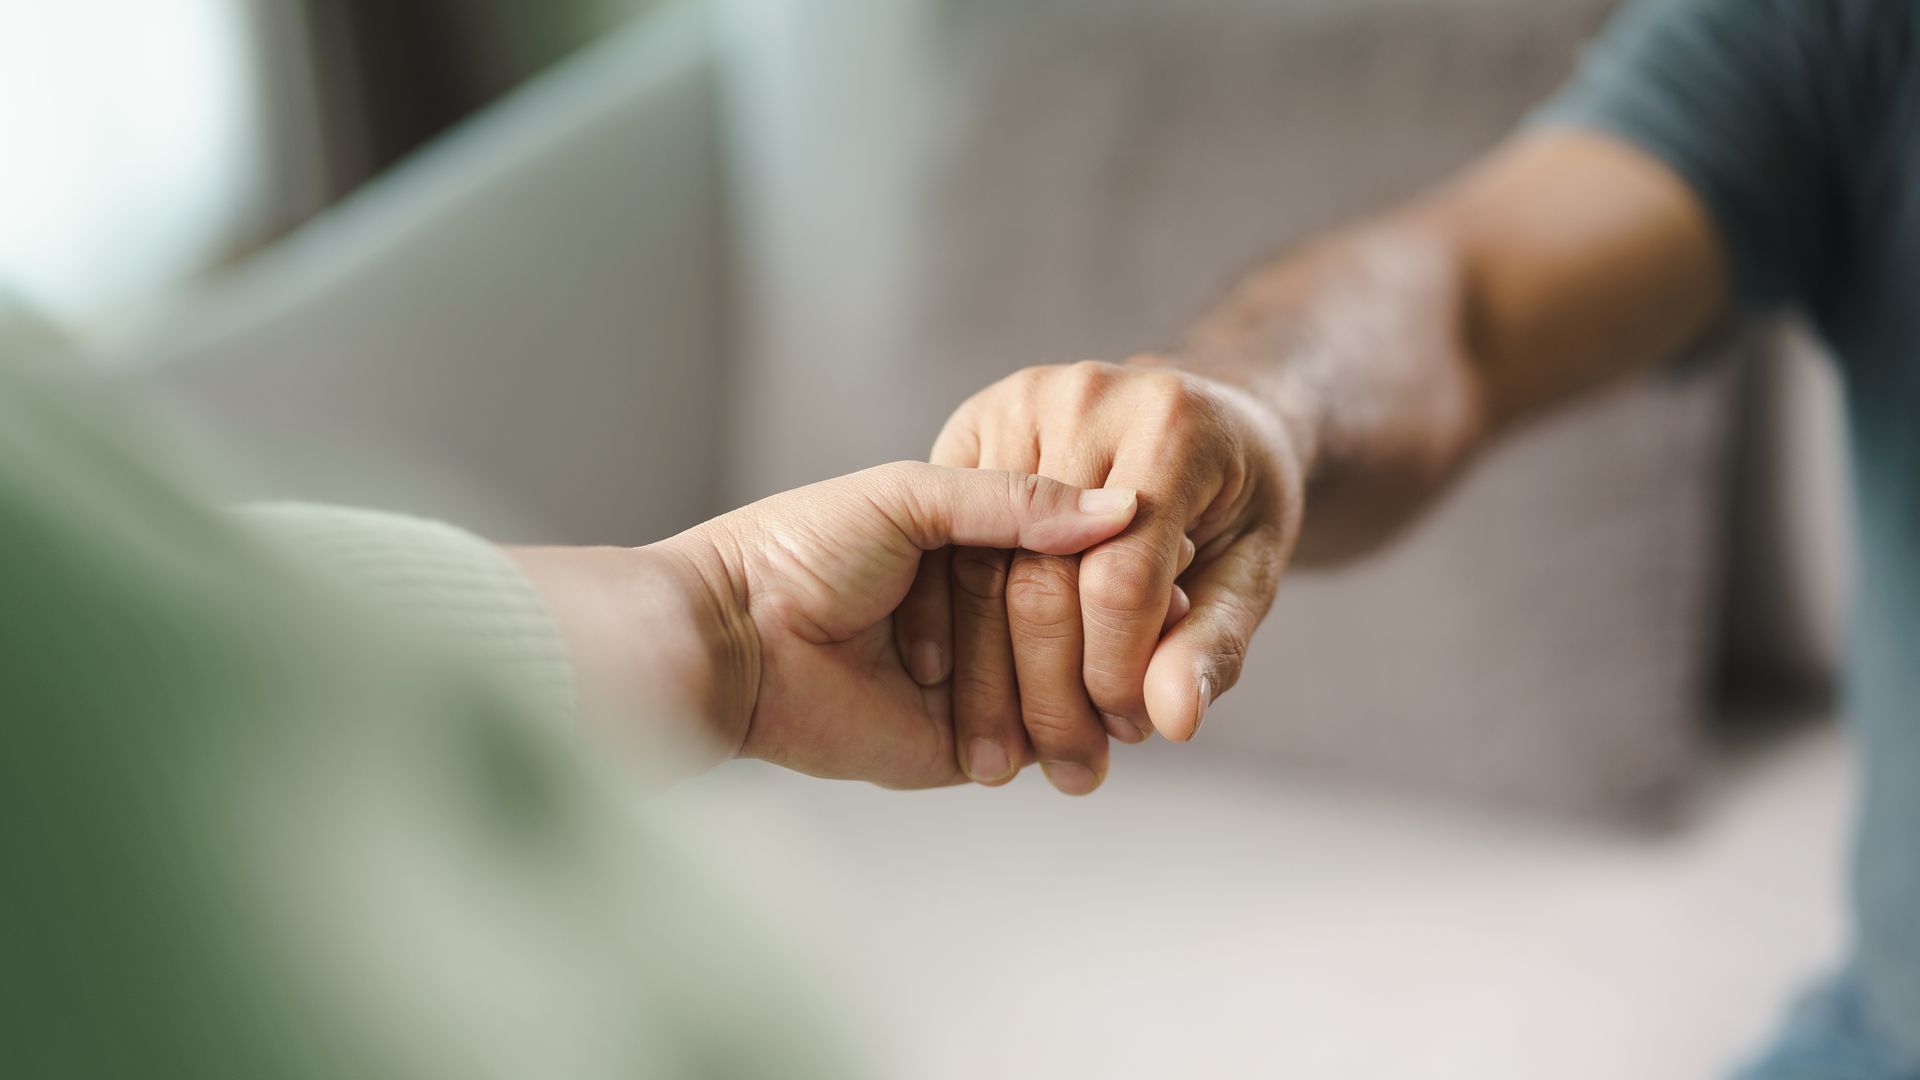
[{"x": 1086, "y": 557}]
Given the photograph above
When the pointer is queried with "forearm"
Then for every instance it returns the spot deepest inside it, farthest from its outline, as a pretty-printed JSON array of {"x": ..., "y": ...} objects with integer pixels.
[
  {"x": 1393, "y": 350},
  {"x": 1358, "y": 343}
]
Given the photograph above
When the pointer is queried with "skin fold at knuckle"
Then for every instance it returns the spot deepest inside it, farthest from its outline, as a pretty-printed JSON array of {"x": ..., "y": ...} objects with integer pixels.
[
  {"x": 1113, "y": 689},
  {"x": 1125, "y": 583},
  {"x": 1042, "y": 597},
  {"x": 1026, "y": 495},
  {"x": 904, "y": 485},
  {"x": 1058, "y": 731}
]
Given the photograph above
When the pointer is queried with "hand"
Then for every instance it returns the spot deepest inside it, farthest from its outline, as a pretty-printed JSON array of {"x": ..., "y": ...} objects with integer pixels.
[
  {"x": 774, "y": 624},
  {"x": 1049, "y": 655}
]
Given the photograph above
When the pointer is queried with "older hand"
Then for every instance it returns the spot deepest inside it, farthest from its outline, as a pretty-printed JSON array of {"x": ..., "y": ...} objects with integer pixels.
[{"x": 1051, "y": 654}]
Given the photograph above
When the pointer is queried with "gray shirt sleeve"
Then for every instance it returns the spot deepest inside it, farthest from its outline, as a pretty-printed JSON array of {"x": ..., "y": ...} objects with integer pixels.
[{"x": 1755, "y": 104}]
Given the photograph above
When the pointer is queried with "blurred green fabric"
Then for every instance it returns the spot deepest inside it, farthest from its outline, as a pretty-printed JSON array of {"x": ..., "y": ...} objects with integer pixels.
[{"x": 298, "y": 796}]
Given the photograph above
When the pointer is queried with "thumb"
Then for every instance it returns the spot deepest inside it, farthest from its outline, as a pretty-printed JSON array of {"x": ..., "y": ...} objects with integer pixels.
[
  {"x": 1200, "y": 657},
  {"x": 936, "y": 506}
]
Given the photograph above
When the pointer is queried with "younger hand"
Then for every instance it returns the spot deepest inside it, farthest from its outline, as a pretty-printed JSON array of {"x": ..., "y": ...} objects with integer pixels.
[{"x": 774, "y": 623}]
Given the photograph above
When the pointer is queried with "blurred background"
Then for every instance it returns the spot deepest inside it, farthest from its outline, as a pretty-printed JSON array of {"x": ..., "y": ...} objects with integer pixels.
[{"x": 1550, "y": 788}]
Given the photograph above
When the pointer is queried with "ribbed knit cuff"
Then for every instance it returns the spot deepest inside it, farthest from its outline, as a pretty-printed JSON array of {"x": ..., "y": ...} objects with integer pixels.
[{"x": 446, "y": 580}]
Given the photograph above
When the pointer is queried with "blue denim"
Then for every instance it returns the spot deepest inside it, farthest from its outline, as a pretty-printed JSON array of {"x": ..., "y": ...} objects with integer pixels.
[
  {"x": 1826, "y": 1038},
  {"x": 1865, "y": 1021}
]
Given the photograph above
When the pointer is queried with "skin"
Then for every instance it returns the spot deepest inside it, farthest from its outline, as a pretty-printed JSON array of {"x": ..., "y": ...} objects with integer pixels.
[
  {"x": 768, "y": 632},
  {"x": 1313, "y": 413}
]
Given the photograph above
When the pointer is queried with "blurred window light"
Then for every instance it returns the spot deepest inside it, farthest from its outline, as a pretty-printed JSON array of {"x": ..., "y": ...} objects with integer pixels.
[{"x": 129, "y": 149}]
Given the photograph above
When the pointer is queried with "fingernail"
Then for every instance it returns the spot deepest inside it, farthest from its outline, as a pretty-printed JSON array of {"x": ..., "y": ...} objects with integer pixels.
[
  {"x": 1071, "y": 778},
  {"x": 986, "y": 761},
  {"x": 1206, "y": 698},
  {"x": 1104, "y": 502},
  {"x": 1122, "y": 728},
  {"x": 928, "y": 663}
]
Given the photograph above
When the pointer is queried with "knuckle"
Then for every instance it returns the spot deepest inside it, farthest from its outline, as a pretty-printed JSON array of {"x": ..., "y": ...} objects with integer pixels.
[
  {"x": 959, "y": 440},
  {"x": 1090, "y": 382},
  {"x": 1122, "y": 580},
  {"x": 1000, "y": 404},
  {"x": 1008, "y": 386},
  {"x": 1112, "y": 688},
  {"x": 1028, "y": 385},
  {"x": 1174, "y": 406},
  {"x": 1031, "y": 375},
  {"x": 1055, "y": 728},
  {"x": 1042, "y": 584},
  {"x": 1093, "y": 371},
  {"x": 1164, "y": 382},
  {"x": 983, "y": 701},
  {"x": 1024, "y": 491},
  {"x": 980, "y": 576},
  {"x": 1177, "y": 410}
]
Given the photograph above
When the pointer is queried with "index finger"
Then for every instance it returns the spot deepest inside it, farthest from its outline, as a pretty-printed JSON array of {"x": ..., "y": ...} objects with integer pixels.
[{"x": 1126, "y": 583}]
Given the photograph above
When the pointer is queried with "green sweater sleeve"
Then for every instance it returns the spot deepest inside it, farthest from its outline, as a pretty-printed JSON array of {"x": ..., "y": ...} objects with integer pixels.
[
  {"x": 445, "y": 581},
  {"x": 275, "y": 801}
]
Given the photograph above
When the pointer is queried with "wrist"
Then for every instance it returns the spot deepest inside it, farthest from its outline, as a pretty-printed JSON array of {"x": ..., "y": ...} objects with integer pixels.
[
  {"x": 655, "y": 637},
  {"x": 723, "y": 687}
]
